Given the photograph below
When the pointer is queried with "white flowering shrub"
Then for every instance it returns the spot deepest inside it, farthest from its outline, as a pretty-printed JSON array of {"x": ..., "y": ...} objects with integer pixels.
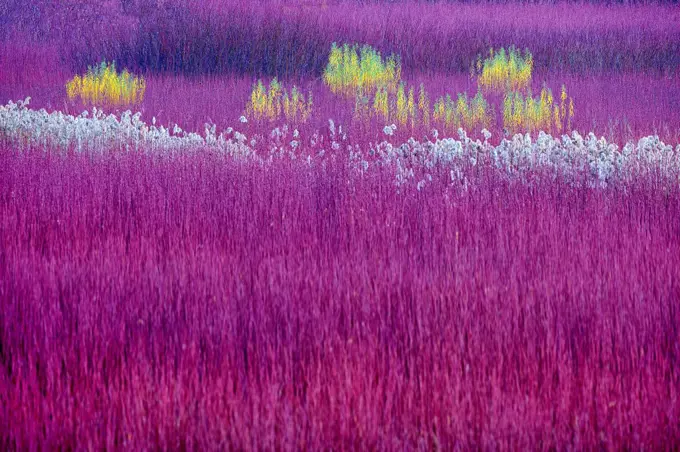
[
  {"x": 24, "y": 127},
  {"x": 574, "y": 157}
]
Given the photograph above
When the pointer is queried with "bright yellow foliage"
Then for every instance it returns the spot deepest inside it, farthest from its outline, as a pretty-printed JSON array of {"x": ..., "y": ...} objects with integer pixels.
[
  {"x": 424, "y": 106},
  {"x": 463, "y": 112},
  {"x": 270, "y": 103},
  {"x": 401, "y": 108},
  {"x": 504, "y": 70},
  {"x": 351, "y": 70},
  {"x": 381, "y": 104},
  {"x": 536, "y": 113},
  {"x": 558, "y": 122},
  {"x": 387, "y": 106},
  {"x": 104, "y": 85},
  {"x": 411, "y": 107}
]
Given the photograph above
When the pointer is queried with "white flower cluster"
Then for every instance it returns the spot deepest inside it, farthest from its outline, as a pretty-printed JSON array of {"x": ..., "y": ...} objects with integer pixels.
[
  {"x": 25, "y": 127},
  {"x": 590, "y": 160},
  {"x": 389, "y": 130}
]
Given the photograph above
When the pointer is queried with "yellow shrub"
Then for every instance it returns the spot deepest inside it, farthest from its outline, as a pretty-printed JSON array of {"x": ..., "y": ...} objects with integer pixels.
[
  {"x": 273, "y": 102},
  {"x": 464, "y": 112},
  {"x": 504, "y": 70},
  {"x": 424, "y": 106},
  {"x": 104, "y": 85},
  {"x": 295, "y": 107},
  {"x": 389, "y": 107},
  {"x": 540, "y": 113},
  {"x": 556, "y": 116},
  {"x": 411, "y": 107},
  {"x": 381, "y": 104},
  {"x": 402, "y": 109},
  {"x": 481, "y": 111},
  {"x": 351, "y": 69}
]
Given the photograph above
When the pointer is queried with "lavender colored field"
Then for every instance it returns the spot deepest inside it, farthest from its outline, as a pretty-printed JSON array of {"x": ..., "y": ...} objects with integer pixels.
[{"x": 198, "y": 302}]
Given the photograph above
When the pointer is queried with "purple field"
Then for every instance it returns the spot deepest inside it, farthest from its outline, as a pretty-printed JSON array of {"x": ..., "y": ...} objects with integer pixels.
[{"x": 305, "y": 298}]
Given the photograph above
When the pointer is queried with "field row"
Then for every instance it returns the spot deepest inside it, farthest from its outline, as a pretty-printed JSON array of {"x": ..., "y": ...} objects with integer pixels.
[
  {"x": 620, "y": 107},
  {"x": 581, "y": 159}
]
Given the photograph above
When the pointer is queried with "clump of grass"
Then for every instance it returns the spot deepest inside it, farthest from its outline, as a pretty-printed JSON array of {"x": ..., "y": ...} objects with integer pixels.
[
  {"x": 103, "y": 84},
  {"x": 403, "y": 107},
  {"x": 351, "y": 70},
  {"x": 273, "y": 102},
  {"x": 465, "y": 112},
  {"x": 399, "y": 107},
  {"x": 522, "y": 112},
  {"x": 509, "y": 72},
  {"x": 504, "y": 70}
]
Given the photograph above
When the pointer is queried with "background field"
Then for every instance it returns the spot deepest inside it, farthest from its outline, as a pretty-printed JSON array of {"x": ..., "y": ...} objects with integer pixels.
[{"x": 619, "y": 63}]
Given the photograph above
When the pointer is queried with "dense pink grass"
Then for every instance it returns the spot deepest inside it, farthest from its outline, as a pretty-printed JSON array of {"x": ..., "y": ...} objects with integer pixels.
[{"x": 196, "y": 302}]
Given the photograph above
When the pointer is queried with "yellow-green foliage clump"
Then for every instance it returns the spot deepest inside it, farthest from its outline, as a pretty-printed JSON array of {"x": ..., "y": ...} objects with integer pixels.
[
  {"x": 399, "y": 106},
  {"x": 273, "y": 102},
  {"x": 104, "y": 85},
  {"x": 504, "y": 70},
  {"x": 351, "y": 70},
  {"x": 537, "y": 113},
  {"x": 379, "y": 94},
  {"x": 463, "y": 112},
  {"x": 405, "y": 108}
]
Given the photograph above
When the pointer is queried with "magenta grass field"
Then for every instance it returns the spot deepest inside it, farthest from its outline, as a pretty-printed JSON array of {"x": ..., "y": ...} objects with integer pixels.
[
  {"x": 307, "y": 288},
  {"x": 195, "y": 303}
]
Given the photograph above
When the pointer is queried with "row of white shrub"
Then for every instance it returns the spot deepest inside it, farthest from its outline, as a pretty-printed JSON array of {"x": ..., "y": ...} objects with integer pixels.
[
  {"x": 579, "y": 158},
  {"x": 588, "y": 160},
  {"x": 97, "y": 131}
]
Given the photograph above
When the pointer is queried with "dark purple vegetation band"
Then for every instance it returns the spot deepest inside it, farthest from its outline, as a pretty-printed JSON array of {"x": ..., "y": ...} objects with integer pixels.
[{"x": 292, "y": 39}]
